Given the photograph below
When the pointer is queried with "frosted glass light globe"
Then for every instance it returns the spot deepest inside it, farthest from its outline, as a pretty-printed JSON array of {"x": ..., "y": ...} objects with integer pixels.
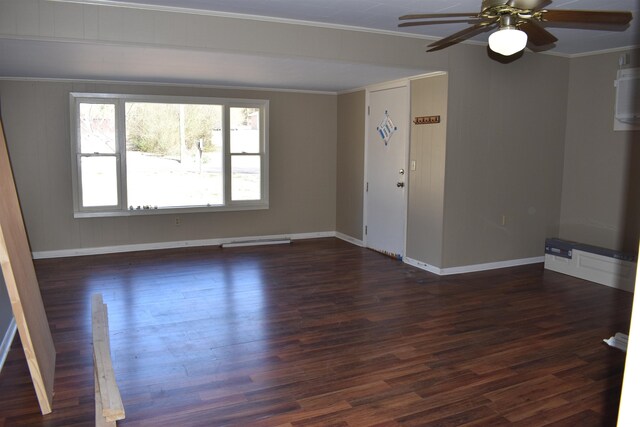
[{"x": 507, "y": 41}]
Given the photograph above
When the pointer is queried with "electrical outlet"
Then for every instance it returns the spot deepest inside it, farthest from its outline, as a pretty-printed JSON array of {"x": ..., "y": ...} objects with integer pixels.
[{"x": 177, "y": 221}]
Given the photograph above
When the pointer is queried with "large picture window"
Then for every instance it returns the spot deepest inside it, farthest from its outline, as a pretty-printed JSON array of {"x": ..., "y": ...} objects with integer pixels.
[{"x": 151, "y": 154}]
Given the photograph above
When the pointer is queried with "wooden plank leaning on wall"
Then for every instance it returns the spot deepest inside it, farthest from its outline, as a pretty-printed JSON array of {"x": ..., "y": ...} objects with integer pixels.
[
  {"x": 22, "y": 286},
  {"x": 109, "y": 408}
]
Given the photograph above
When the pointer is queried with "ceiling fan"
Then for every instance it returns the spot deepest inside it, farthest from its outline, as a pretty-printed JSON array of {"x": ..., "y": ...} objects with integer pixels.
[{"x": 517, "y": 21}]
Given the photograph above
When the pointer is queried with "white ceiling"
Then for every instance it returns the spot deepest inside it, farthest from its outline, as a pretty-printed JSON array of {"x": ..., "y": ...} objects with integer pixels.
[
  {"x": 61, "y": 59},
  {"x": 383, "y": 15}
]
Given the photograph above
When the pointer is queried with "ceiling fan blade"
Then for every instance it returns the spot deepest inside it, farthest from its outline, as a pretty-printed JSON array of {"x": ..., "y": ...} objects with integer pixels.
[
  {"x": 536, "y": 34},
  {"x": 587, "y": 16},
  {"x": 461, "y": 35},
  {"x": 437, "y": 15},
  {"x": 445, "y": 21}
]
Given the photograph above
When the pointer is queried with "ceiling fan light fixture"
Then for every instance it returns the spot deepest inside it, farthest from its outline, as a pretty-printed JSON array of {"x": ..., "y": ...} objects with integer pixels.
[
  {"x": 507, "y": 41},
  {"x": 519, "y": 22}
]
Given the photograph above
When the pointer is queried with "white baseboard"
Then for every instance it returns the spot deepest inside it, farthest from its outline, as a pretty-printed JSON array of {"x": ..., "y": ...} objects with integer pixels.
[
  {"x": 423, "y": 265},
  {"x": 349, "y": 239},
  {"x": 298, "y": 236},
  {"x": 260, "y": 242},
  {"x": 492, "y": 265},
  {"x": 171, "y": 245},
  {"x": 6, "y": 342},
  {"x": 474, "y": 267}
]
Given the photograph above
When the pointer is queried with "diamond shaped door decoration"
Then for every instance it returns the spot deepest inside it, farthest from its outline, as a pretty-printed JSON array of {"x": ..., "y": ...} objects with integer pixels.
[{"x": 386, "y": 128}]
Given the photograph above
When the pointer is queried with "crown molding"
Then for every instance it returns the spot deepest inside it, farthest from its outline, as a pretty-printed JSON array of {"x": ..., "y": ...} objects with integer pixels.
[{"x": 176, "y": 84}]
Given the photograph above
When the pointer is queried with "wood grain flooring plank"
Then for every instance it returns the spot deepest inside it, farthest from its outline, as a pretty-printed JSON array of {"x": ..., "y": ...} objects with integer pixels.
[{"x": 321, "y": 332}]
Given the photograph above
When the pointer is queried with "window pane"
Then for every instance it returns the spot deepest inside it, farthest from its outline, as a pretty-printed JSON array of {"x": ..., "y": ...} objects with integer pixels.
[
  {"x": 174, "y": 155},
  {"x": 245, "y": 178},
  {"x": 99, "y": 181},
  {"x": 97, "y": 128},
  {"x": 244, "y": 124}
]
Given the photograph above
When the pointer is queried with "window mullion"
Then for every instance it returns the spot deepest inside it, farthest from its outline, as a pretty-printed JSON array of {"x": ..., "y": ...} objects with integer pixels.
[
  {"x": 79, "y": 183},
  {"x": 121, "y": 152},
  {"x": 227, "y": 155},
  {"x": 264, "y": 150},
  {"x": 75, "y": 132}
]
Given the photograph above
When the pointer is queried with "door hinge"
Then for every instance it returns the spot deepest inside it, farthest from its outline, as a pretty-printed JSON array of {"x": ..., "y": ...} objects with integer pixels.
[
  {"x": 366, "y": 229},
  {"x": 368, "y": 110},
  {"x": 367, "y": 189}
]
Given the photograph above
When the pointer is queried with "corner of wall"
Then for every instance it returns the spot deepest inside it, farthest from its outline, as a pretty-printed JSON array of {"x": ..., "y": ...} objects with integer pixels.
[
  {"x": 504, "y": 158},
  {"x": 350, "y": 164},
  {"x": 600, "y": 200}
]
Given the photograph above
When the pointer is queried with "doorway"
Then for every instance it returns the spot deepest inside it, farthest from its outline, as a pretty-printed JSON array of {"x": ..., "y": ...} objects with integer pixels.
[{"x": 386, "y": 175}]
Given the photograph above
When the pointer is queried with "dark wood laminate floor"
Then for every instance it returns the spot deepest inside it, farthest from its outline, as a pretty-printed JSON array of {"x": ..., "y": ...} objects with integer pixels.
[{"x": 321, "y": 332}]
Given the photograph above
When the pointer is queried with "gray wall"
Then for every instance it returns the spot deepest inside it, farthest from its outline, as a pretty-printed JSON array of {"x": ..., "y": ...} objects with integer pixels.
[
  {"x": 505, "y": 129},
  {"x": 350, "y": 166},
  {"x": 601, "y": 181},
  {"x": 425, "y": 210},
  {"x": 505, "y": 145},
  {"x": 504, "y": 156},
  {"x": 302, "y": 156}
]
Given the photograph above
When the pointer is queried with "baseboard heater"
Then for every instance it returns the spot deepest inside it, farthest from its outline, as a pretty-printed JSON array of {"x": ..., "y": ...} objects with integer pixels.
[
  {"x": 259, "y": 242},
  {"x": 600, "y": 265}
]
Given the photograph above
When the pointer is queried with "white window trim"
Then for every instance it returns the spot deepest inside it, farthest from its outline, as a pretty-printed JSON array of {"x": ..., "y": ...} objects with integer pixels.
[{"x": 119, "y": 100}]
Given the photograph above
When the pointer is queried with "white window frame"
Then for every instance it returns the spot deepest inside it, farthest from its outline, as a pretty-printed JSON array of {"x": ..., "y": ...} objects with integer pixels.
[{"x": 122, "y": 209}]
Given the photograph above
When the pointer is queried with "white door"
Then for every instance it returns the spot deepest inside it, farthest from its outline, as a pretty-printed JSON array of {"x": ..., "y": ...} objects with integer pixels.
[{"x": 386, "y": 170}]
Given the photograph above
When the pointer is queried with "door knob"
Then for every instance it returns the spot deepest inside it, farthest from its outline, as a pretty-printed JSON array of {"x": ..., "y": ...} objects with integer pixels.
[{"x": 400, "y": 184}]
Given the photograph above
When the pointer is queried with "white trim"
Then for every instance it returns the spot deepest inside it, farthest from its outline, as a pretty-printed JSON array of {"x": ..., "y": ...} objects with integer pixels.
[
  {"x": 474, "y": 267},
  {"x": 261, "y": 242},
  {"x": 349, "y": 239},
  {"x": 296, "y": 236},
  {"x": 171, "y": 245},
  {"x": 422, "y": 265},
  {"x": 5, "y": 346},
  {"x": 603, "y": 51},
  {"x": 118, "y": 100},
  {"x": 410, "y": 78},
  {"x": 184, "y": 85},
  {"x": 425, "y": 75},
  {"x": 492, "y": 265},
  {"x": 348, "y": 91},
  {"x": 405, "y": 178},
  {"x": 365, "y": 153},
  {"x": 392, "y": 84}
]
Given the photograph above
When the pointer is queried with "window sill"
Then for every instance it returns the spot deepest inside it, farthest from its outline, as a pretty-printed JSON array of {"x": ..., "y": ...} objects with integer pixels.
[{"x": 166, "y": 211}]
